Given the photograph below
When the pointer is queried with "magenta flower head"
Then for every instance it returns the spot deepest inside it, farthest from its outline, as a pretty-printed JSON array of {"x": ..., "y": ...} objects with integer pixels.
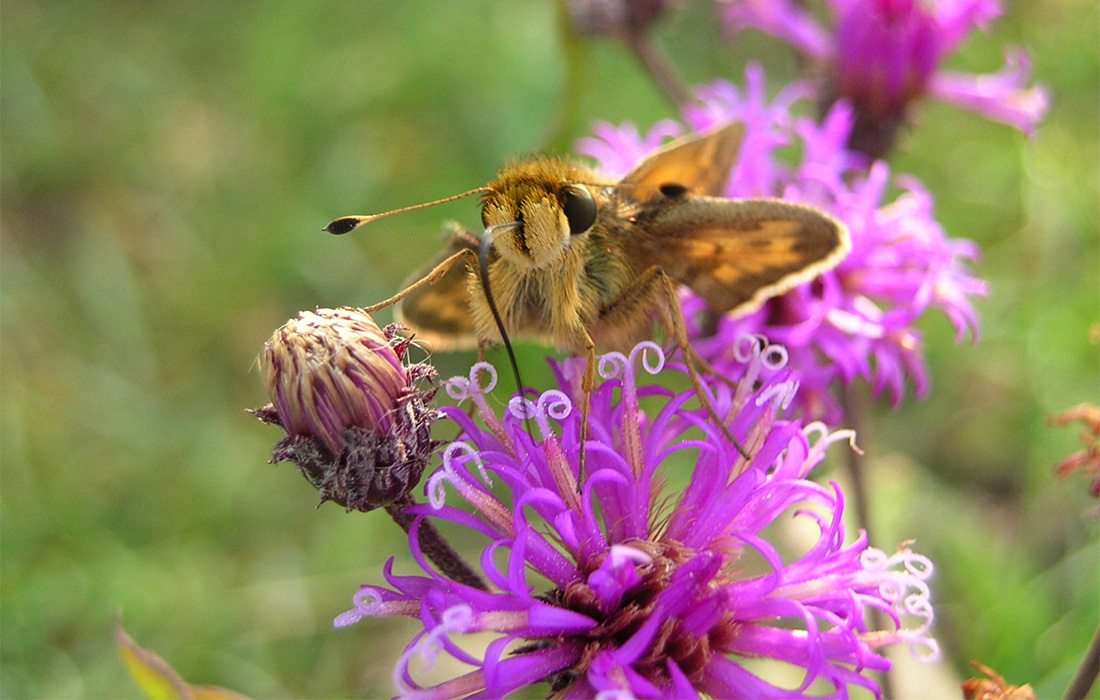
[
  {"x": 357, "y": 424},
  {"x": 859, "y": 320},
  {"x": 611, "y": 583},
  {"x": 882, "y": 55}
]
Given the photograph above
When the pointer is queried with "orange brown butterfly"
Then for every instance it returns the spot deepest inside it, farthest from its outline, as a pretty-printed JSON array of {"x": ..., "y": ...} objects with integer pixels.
[{"x": 571, "y": 258}]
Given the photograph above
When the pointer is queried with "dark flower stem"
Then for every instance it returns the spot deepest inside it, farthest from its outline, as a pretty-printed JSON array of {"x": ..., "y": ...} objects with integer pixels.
[
  {"x": 659, "y": 69},
  {"x": 856, "y": 418},
  {"x": 1086, "y": 675},
  {"x": 434, "y": 546}
]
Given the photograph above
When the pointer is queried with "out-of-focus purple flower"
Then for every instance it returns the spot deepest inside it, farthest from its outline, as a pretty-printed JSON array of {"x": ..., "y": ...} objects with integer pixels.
[
  {"x": 611, "y": 584},
  {"x": 881, "y": 55},
  {"x": 857, "y": 321},
  {"x": 620, "y": 149}
]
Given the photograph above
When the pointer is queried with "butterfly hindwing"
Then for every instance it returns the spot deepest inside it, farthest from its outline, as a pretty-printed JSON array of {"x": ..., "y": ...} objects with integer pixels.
[
  {"x": 439, "y": 314},
  {"x": 736, "y": 254}
]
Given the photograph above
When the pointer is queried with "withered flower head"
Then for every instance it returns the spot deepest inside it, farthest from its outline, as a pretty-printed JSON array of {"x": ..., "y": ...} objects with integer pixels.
[
  {"x": 1087, "y": 460},
  {"x": 993, "y": 687},
  {"x": 357, "y": 423}
]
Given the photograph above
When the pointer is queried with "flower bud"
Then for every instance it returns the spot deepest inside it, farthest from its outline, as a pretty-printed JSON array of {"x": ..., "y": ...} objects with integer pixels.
[{"x": 357, "y": 425}]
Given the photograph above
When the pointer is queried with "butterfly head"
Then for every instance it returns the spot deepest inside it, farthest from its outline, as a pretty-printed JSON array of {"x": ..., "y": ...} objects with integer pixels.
[{"x": 538, "y": 207}]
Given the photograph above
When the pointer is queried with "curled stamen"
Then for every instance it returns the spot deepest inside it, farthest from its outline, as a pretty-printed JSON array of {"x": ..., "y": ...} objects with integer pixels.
[
  {"x": 366, "y": 597},
  {"x": 782, "y": 394},
  {"x": 555, "y": 404},
  {"x": 746, "y": 347},
  {"x": 917, "y": 564},
  {"x": 925, "y": 649},
  {"x": 790, "y": 396},
  {"x": 615, "y": 694},
  {"x": 817, "y": 430},
  {"x": 918, "y": 604},
  {"x": 450, "y": 457},
  {"x": 477, "y": 370},
  {"x": 522, "y": 407},
  {"x": 826, "y": 439},
  {"x": 874, "y": 559},
  {"x": 921, "y": 645},
  {"x": 437, "y": 495},
  {"x": 462, "y": 388},
  {"x": 774, "y": 357},
  {"x": 644, "y": 349},
  {"x": 611, "y": 365},
  {"x": 551, "y": 404},
  {"x": 458, "y": 388},
  {"x": 908, "y": 593},
  {"x": 457, "y": 618},
  {"x": 752, "y": 350},
  {"x": 366, "y": 601}
]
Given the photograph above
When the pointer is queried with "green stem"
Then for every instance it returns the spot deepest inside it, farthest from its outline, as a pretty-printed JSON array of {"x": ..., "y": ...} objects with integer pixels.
[{"x": 856, "y": 419}]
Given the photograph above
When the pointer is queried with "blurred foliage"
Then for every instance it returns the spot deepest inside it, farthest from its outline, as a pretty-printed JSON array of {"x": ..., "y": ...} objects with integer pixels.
[{"x": 166, "y": 170}]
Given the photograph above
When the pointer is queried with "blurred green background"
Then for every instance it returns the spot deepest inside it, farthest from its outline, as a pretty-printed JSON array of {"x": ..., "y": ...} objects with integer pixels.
[{"x": 166, "y": 170}]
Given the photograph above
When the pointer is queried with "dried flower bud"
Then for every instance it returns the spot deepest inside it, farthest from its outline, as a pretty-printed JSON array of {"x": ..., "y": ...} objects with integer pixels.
[
  {"x": 993, "y": 687},
  {"x": 357, "y": 424},
  {"x": 1086, "y": 461}
]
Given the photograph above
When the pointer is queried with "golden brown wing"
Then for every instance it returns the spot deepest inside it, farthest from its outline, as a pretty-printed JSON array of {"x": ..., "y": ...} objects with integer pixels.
[
  {"x": 439, "y": 314},
  {"x": 699, "y": 163},
  {"x": 736, "y": 254}
]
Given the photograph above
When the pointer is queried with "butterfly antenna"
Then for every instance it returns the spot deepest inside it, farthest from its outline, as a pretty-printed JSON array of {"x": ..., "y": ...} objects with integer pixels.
[
  {"x": 347, "y": 224},
  {"x": 483, "y": 273}
]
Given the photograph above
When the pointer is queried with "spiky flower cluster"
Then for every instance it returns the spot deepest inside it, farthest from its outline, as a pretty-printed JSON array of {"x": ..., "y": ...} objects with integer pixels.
[
  {"x": 859, "y": 320},
  {"x": 880, "y": 56},
  {"x": 611, "y": 582}
]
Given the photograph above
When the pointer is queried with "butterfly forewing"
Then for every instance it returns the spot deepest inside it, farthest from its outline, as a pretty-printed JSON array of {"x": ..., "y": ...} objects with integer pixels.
[
  {"x": 736, "y": 254},
  {"x": 439, "y": 314},
  {"x": 700, "y": 164}
]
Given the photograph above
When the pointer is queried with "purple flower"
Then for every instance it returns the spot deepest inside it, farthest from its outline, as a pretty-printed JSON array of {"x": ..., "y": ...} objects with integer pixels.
[
  {"x": 613, "y": 584},
  {"x": 857, "y": 321},
  {"x": 881, "y": 55}
]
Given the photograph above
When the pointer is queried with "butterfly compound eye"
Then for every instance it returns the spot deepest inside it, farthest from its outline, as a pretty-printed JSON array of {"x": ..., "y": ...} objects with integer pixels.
[{"x": 579, "y": 207}]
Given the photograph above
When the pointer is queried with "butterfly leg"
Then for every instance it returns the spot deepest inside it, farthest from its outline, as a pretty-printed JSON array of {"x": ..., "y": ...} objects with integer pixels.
[
  {"x": 654, "y": 288},
  {"x": 588, "y": 385},
  {"x": 432, "y": 277}
]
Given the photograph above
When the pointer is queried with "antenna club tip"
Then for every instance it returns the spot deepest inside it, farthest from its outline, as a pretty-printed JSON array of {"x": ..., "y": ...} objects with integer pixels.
[{"x": 344, "y": 225}]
